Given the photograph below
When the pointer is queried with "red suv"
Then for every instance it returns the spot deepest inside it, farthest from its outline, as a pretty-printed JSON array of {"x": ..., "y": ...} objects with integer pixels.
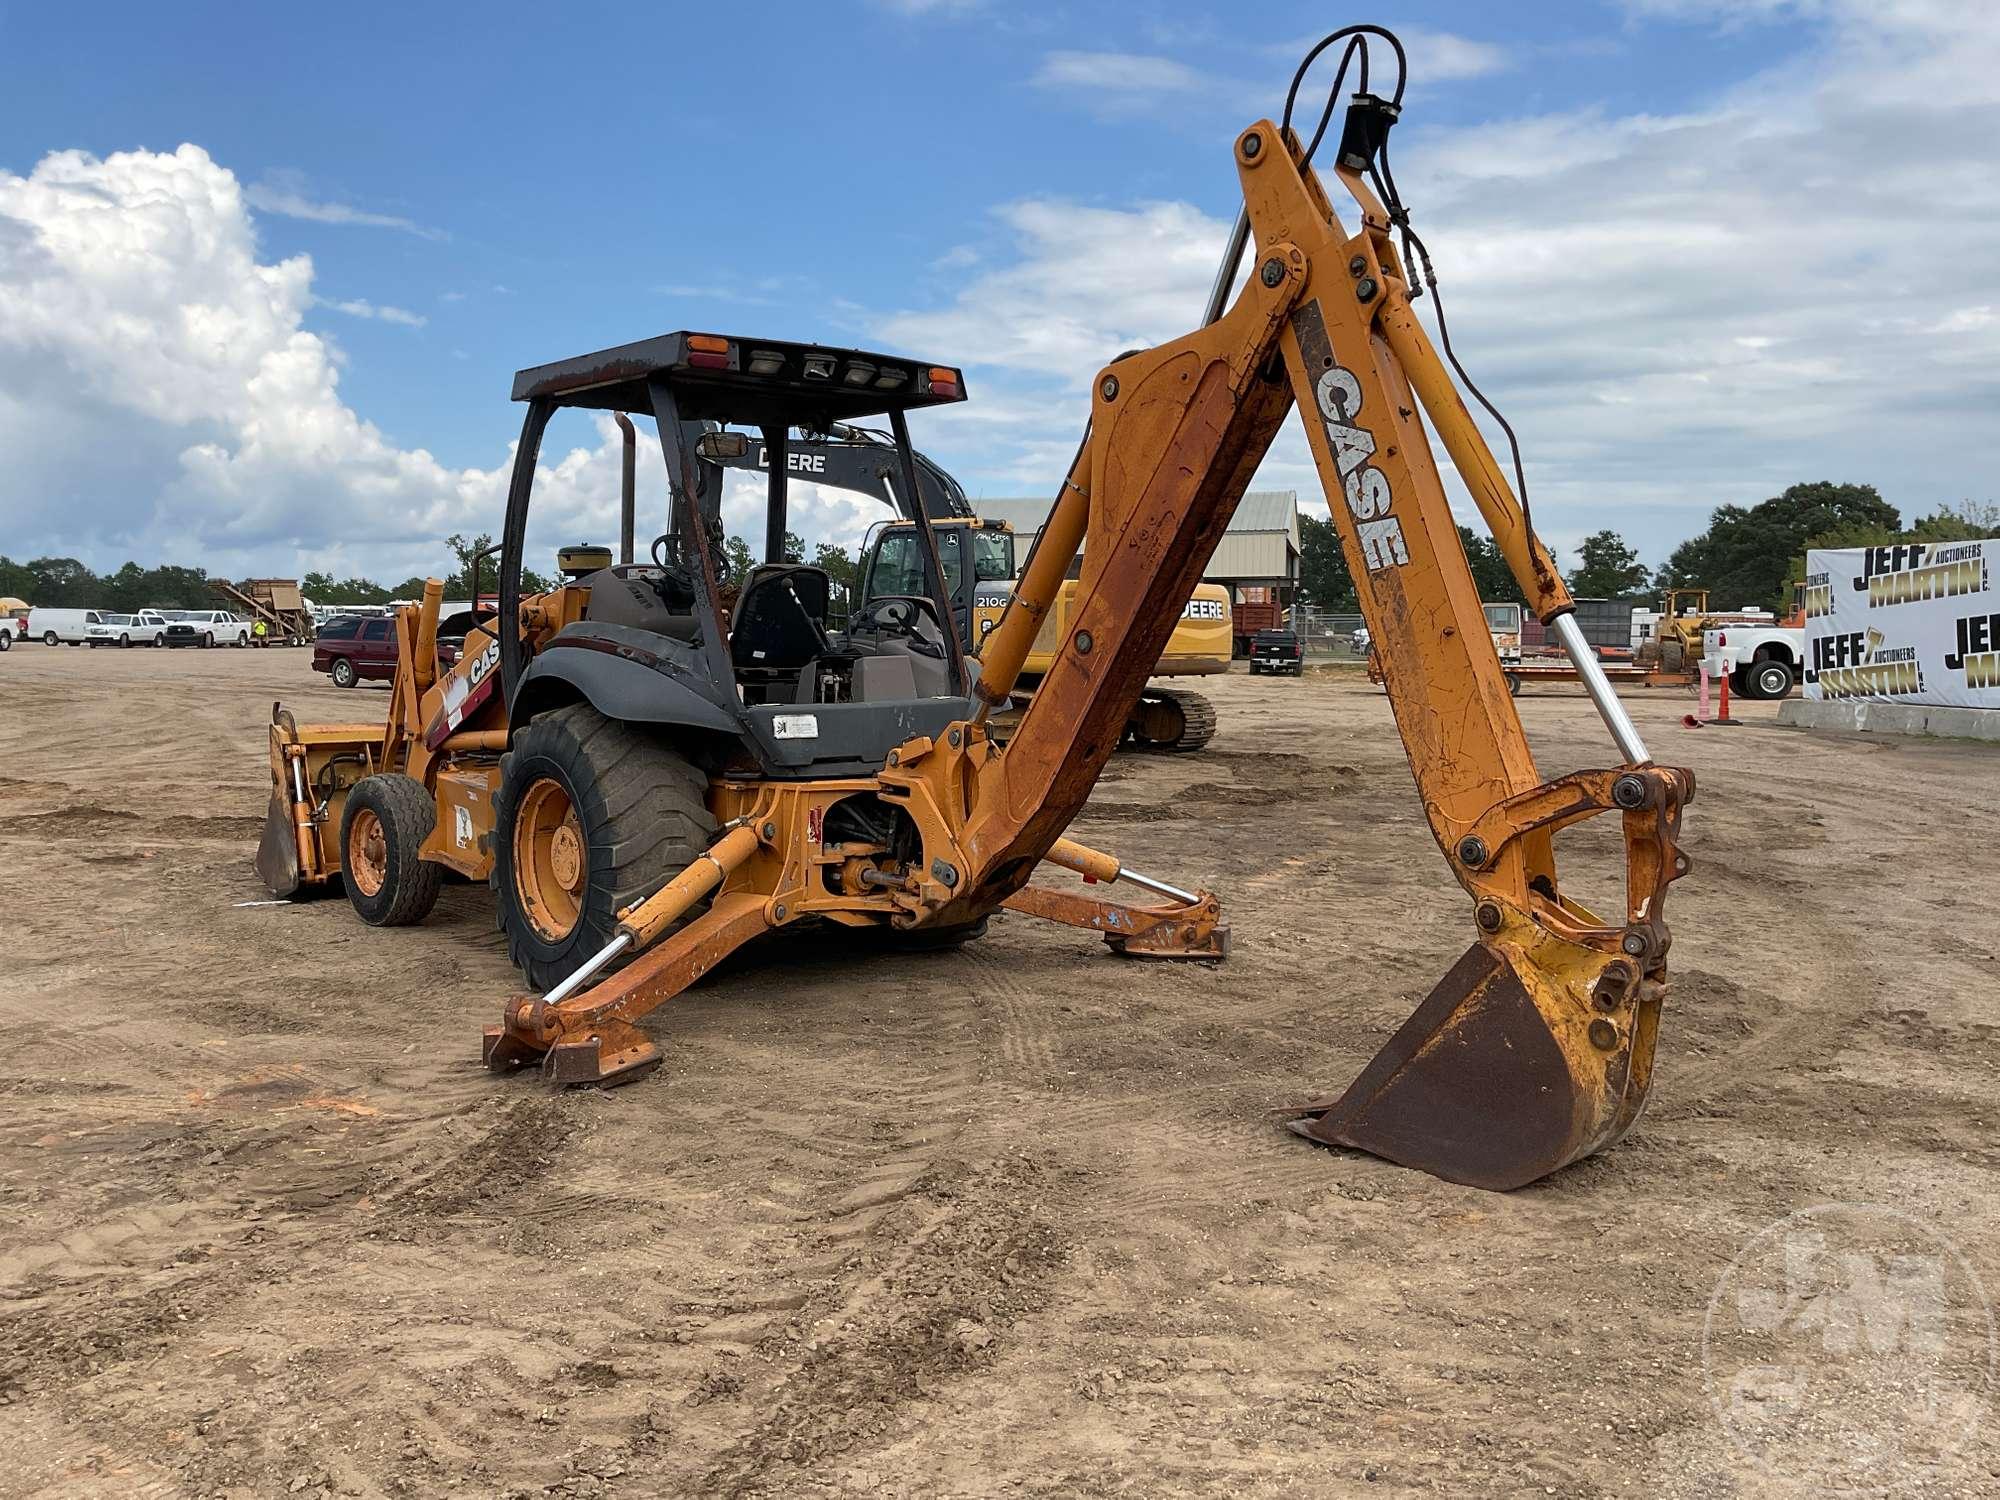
[{"x": 351, "y": 647}]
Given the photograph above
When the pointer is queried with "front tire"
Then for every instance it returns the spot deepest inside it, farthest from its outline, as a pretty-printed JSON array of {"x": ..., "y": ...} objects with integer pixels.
[
  {"x": 124, "y": 643},
  {"x": 342, "y": 672},
  {"x": 382, "y": 827},
  {"x": 207, "y": 639},
  {"x": 592, "y": 816}
]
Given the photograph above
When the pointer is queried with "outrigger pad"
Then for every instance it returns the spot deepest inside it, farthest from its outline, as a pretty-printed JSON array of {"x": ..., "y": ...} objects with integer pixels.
[
  {"x": 1476, "y": 1088},
  {"x": 277, "y": 862},
  {"x": 612, "y": 1052}
]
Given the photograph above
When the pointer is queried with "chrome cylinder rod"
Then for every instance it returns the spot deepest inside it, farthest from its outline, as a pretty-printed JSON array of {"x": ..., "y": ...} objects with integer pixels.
[
  {"x": 1609, "y": 706},
  {"x": 1225, "y": 276},
  {"x": 584, "y": 975},
  {"x": 1158, "y": 887}
]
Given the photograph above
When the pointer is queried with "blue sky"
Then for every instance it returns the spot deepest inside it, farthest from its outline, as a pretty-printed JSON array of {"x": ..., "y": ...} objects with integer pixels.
[{"x": 1021, "y": 189}]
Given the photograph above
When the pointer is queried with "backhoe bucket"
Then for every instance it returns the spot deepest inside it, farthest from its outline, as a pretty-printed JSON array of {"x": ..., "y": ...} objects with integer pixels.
[
  {"x": 1507, "y": 1071},
  {"x": 277, "y": 861}
]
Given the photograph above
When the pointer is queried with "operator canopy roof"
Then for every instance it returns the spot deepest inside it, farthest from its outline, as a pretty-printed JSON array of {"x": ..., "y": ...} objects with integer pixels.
[{"x": 758, "y": 382}]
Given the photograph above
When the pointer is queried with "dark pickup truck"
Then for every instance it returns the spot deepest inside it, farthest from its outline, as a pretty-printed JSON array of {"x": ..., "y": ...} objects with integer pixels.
[
  {"x": 1276, "y": 651},
  {"x": 349, "y": 648}
]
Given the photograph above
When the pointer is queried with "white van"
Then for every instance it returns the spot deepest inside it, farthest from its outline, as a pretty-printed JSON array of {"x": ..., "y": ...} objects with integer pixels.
[{"x": 67, "y": 627}]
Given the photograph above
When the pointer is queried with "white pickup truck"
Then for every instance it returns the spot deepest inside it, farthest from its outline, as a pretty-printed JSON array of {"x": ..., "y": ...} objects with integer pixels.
[
  {"x": 142, "y": 629},
  {"x": 205, "y": 627},
  {"x": 1760, "y": 661}
]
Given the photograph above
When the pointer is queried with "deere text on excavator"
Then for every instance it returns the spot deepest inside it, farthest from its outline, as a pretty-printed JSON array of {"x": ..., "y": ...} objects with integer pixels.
[
  {"x": 648, "y": 783},
  {"x": 978, "y": 557}
]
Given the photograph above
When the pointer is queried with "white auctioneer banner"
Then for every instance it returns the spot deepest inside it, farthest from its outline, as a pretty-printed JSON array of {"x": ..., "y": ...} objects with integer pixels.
[{"x": 1918, "y": 622}]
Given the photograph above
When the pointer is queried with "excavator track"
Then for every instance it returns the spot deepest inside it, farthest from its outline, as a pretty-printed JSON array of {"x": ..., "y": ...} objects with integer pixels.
[{"x": 1170, "y": 719}]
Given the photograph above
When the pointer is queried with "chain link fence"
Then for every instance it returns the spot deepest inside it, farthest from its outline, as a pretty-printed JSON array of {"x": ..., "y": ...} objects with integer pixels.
[{"x": 1327, "y": 635}]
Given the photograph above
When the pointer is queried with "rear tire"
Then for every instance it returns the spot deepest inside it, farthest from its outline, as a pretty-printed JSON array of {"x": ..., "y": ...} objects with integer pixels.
[
  {"x": 1769, "y": 678},
  {"x": 50, "y": 638},
  {"x": 383, "y": 825},
  {"x": 592, "y": 815}
]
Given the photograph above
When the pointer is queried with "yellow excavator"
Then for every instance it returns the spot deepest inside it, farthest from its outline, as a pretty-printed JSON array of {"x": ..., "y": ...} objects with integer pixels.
[
  {"x": 1164, "y": 717},
  {"x": 648, "y": 785},
  {"x": 980, "y": 562}
]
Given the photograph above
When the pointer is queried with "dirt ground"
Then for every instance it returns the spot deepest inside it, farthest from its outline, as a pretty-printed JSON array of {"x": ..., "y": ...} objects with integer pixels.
[{"x": 1016, "y": 1220}]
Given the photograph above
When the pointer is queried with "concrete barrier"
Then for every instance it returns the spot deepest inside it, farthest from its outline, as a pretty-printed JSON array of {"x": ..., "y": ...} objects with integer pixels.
[{"x": 1863, "y": 717}]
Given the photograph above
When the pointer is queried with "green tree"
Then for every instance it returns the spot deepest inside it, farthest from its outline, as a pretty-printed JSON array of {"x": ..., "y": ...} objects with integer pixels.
[
  {"x": 1746, "y": 556},
  {"x": 1323, "y": 576},
  {"x": 1490, "y": 573},
  {"x": 61, "y": 583},
  {"x": 741, "y": 561},
  {"x": 359, "y": 591},
  {"x": 1967, "y": 521},
  {"x": 16, "y": 582},
  {"x": 845, "y": 573},
  {"x": 1607, "y": 568},
  {"x": 171, "y": 587}
]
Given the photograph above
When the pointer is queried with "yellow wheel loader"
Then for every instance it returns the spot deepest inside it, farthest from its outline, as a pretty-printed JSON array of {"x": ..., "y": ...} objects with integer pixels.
[{"x": 649, "y": 783}]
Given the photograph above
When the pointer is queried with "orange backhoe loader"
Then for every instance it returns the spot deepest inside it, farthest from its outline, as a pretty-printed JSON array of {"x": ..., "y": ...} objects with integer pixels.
[{"x": 649, "y": 784}]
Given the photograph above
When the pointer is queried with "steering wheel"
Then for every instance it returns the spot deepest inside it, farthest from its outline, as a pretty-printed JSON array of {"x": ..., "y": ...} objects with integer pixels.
[
  {"x": 912, "y": 616},
  {"x": 891, "y": 614},
  {"x": 676, "y": 580}
]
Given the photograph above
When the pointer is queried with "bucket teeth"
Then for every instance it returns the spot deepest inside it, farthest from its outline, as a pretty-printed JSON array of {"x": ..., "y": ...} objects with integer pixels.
[{"x": 1499, "y": 1078}]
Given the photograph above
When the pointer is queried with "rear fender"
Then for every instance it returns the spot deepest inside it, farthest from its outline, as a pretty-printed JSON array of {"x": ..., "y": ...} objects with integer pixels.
[{"x": 621, "y": 681}]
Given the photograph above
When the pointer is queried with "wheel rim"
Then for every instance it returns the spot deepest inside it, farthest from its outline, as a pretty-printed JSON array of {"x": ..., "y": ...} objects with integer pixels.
[
  {"x": 551, "y": 860},
  {"x": 1770, "y": 682},
  {"x": 367, "y": 852}
]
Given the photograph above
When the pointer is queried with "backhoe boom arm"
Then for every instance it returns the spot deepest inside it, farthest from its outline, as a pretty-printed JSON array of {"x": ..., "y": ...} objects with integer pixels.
[{"x": 1537, "y": 1047}]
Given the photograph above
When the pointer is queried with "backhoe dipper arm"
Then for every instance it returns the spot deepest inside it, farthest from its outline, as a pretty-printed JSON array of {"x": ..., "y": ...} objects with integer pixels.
[{"x": 1536, "y": 1048}]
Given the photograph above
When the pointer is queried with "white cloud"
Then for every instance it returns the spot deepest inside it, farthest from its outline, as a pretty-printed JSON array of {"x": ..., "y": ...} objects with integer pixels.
[
  {"x": 1440, "y": 56},
  {"x": 1790, "y": 280},
  {"x": 162, "y": 399},
  {"x": 283, "y": 194},
  {"x": 356, "y": 307},
  {"x": 1118, "y": 77}
]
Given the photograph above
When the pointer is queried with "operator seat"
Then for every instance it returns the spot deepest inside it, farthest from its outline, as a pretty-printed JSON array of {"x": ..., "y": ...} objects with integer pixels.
[{"x": 780, "y": 619}]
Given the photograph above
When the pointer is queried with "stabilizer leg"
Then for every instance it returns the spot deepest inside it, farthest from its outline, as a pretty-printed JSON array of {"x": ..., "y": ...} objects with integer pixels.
[
  {"x": 1189, "y": 930},
  {"x": 591, "y": 1038}
]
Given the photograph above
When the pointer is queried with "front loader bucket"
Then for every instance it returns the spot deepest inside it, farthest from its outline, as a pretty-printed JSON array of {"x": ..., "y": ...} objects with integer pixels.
[
  {"x": 277, "y": 860},
  {"x": 1506, "y": 1072}
]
